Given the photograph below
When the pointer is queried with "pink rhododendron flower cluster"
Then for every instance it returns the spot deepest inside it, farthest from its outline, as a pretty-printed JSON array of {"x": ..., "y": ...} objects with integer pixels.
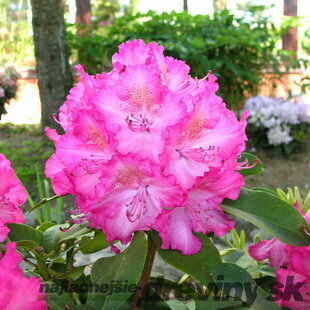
[
  {"x": 12, "y": 196},
  {"x": 16, "y": 290},
  {"x": 148, "y": 147},
  {"x": 293, "y": 263}
]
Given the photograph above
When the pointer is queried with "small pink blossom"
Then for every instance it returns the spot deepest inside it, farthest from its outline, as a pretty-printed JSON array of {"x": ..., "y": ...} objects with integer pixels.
[
  {"x": 273, "y": 249},
  {"x": 16, "y": 290},
  {"x": 12, "y": 196},
  {"x": 147, "y": 146},
  {"x": 297, "y": 274},
  {"x": 294, "y": 269}
]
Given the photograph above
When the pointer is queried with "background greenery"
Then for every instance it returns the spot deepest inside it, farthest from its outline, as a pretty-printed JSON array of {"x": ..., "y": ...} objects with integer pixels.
[{"x": 237, "y": 50}]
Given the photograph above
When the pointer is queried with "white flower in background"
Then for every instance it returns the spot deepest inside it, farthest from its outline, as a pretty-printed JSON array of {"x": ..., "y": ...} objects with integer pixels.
[
  {"x": 271, "y": 122},
  {"x": 287, "y": 112},
  {"x": 278, "y": 116},
  {"x": 303, "y": 104},
  {"x": 279, "y": 135}
]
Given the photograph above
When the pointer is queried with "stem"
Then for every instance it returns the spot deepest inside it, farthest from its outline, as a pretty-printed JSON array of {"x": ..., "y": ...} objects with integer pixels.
[
  {"x": 146, "y": 273},
  {"x": 43, "y": 269},
  {"x": 69, "y": 264}
]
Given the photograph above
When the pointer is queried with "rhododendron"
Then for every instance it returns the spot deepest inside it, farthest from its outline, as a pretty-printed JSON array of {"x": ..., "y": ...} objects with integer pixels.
[
  {"x": 273, "y": 249},
  {"x": 296, "y": 275},
  {"x": 146, "y": 146},
  {"x": 16, "y": 290},
  {"x": 294, "y": 268},
  {"x": 12, "y": 196}
]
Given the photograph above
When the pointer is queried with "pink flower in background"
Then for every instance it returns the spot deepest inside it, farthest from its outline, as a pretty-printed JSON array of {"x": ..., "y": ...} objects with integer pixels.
[
  {"x": 294, "y": 269},
  {"x": 296, "y": 275},
  {"x": 273, "y": 249},
  {"x": 16, "y": 290},
  {"x": 12, "y": 196},
  {"x": 147, "y": 146}
]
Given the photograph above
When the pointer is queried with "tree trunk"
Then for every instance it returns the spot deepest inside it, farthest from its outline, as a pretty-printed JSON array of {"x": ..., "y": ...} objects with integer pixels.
[
  {"x": 52, "y": 56},
  {"x": 83, "y": 12},
  {"x": 185, "y": 5},
  {"x": 289, "y": 41}
]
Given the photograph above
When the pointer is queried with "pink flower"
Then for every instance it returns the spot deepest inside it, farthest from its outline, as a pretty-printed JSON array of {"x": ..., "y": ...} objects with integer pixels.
[
  {"x": 145, "y": 146},
  {"x": 294, "y": 282},
  {"x": 273, "y": 249},
  {"x": 131, "y": 194},
  {"x": 201, "y": 212},
  {"x": 12, "y": 196},
  {"x": 17, "y": 291},
  {"x": 3, "y": 232},
  {"x": 293, "y": 272}
]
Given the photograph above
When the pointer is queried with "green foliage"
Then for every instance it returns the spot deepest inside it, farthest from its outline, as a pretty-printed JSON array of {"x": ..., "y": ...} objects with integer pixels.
[
  {"x": 197, "y": 266},
  {"x": 127, "y": 266},
  {"x": 16, "y": 44},
  {"x": 252, "y": 164},
  {"x": 271, "y": 214},
  {"x": 235, "y": 49},
  {"x": 293, "y": 195},
  {"x": 226, "y": 279},
  {"x": 31, "y": 151},
  {"x": 8, "y": 87},
  {"x": 231, "y": 273}
]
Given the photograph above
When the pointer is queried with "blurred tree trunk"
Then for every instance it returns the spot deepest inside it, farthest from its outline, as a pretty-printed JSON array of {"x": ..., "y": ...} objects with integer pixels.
[
  {"x": 83, "y": 12},
  {"x": 185, "y": 5},
  {"x": 290, "y": 41},
  {"x": 52, "y": 56}
]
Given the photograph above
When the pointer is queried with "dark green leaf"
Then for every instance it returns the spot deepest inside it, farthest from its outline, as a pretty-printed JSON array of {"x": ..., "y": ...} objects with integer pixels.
[
  {"x": 271, "y": 214},
  {"x": 197, "y": 266},
  {"x": 125, "y": 268},
  {"x": 90, "y": 245},
  {"x": 251, "y": 160},
  {"x": 239, "y": 258},
  {"x": 51, "y": 237},
  {"x": 21, "y": 232},
  {"x": 208, "y": 303},
  {"x": 237, "y": 282},
  {"x": 45, "y": 225}
]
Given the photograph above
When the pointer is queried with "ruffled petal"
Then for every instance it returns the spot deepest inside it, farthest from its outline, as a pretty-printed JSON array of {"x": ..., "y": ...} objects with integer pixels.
[
  {"x": 273, "y": 249},
  {"x": 175, "y": 229}
]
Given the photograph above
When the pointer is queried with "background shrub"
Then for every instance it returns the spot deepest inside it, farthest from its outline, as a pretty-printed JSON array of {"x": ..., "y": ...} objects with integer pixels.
[{"x": 237, "y": 50}]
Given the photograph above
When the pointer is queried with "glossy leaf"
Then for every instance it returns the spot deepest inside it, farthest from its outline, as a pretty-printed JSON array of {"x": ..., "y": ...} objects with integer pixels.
[
  {"x": 251, "y": 160},
  {"x": 209, "y": 303},
  {"x": 22, "y": 232},
  {"x": 125, "y": 268},
  {"x": 197, "y": 266},
  {"x": 237, "y": 282},
  {"x": 92, "y": 245},
  {"x": 54, "y": 236},
  {"x": 271, "y": 214}
]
